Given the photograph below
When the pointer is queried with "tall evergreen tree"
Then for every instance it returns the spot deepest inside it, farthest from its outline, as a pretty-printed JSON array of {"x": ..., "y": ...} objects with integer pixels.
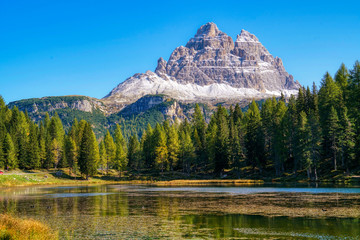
[
  {"x": 120, "y": 161},
  {"x": 9, "y": 153},
  {"x": 89, "y": 152},
  {"x": 111, "y": 148},
  {"x": 134, "y": 155},
  {"x": 173, "y": 145},
  {"x": 71, "y": 154},
  {"x": 254, "y": 141},
  {"x": 161, "y": 151},
  {"x": 33, "y": 151},
  {"x": 187, "y": 151},
  {"x": 103, "y": 157},
  {"x": 222, "y": 144},
  {"x": 346, "y": 141},
  {"x": 333, "y": 135}
]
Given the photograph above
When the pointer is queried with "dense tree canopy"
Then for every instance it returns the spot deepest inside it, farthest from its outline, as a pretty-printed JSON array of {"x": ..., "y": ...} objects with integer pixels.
[{"x": 310, "y": 134}]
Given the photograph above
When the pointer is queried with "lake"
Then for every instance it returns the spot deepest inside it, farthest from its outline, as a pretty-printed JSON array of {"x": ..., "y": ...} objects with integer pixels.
[{"x": 145, "y": 212}]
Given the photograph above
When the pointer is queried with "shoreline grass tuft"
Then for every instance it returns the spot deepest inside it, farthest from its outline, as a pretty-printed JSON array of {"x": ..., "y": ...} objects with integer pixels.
[{"x": 12, "y": 228}]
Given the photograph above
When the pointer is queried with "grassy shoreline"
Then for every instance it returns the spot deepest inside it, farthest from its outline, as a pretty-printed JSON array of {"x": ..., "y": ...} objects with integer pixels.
[{"x": 50, "y": 177}]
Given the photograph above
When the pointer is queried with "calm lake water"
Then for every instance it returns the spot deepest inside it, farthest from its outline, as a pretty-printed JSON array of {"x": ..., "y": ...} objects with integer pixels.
[{"x": 142, "y": 212}]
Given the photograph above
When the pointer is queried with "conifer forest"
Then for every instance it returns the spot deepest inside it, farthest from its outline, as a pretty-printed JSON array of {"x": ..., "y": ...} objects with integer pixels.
[{"x": 310, "y": 135}]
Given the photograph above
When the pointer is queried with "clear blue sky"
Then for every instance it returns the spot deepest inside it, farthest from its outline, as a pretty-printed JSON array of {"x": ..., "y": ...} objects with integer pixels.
[{"x": 53, "y": 48}]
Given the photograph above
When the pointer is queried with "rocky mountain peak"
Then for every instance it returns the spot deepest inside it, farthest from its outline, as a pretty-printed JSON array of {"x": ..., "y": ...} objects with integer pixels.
[
  {"x": 212, "y": 66},
  {"x": 210, "y": 29},
  {"x": 209, "y": 36},
  {"x": 245, "y": 36}
]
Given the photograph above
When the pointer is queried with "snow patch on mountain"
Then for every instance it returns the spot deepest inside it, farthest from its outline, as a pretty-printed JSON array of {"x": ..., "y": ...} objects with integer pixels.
[{"x": 150, "y": 83}]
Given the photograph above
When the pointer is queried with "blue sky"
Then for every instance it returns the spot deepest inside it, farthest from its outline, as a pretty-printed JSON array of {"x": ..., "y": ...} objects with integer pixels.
[{"x": 53, "y": 48}]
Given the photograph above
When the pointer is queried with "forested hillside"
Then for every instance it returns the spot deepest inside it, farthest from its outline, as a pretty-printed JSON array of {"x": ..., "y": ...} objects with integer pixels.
[{"x": 312, "y": 135}]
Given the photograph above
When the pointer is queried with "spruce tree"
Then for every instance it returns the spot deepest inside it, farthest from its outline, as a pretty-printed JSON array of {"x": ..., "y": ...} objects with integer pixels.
[
  {"x": 342, "y": 80},
  {"x": 71, "y": 154},
  {"x": 313, "y": 125},
  {"x": 89, "y": 152},
  {"x": 134, "y": 156},
  {"x": 254, "y": 141},
  {"x": 173, "y": 145},
  {"x": 9, "y": 153},
  {"x": 346, "y": 141},
  {"x": 103, "y": 157},
  {"x": 111, "y": 148},
  {"x": 333, "y": 135},
  {"x": 33, "y": 151},
  {"x": 222, "y": 144},
  {"x": 279, "y": 147},
  {"x": 187, "y": 151},
  {"x": 120, "y": 160},
  {"x": 161, "y": 151},
  {"x": 354, "y": 104}
]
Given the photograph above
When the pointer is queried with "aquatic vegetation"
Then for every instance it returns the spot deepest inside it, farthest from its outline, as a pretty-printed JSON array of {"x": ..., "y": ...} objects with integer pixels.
[{"x": 12, "y": 228}]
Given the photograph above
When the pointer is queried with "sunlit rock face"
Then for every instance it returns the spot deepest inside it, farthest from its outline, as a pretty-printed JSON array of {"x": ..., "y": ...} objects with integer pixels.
[{"x": 212, "y": 66}]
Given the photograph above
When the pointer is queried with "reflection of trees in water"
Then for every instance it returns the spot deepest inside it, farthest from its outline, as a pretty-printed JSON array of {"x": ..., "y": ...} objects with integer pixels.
[{"x": 172, "y": 216}]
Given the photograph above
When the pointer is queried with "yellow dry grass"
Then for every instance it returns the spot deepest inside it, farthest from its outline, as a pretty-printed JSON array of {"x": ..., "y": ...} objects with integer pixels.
[{"x": 12, "y": 228}]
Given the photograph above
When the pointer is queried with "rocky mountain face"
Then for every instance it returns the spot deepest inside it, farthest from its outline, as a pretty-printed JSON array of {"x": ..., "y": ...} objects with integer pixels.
[
  {"x": 211, "y": 67},
  {"x": 49, "y": 104}
]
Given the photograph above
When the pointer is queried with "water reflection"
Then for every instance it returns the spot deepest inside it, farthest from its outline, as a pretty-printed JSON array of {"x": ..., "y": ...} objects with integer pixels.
[{"x": 138, "y": 212}]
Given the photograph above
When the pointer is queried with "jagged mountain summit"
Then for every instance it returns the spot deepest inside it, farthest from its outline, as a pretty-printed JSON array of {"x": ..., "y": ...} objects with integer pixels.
[{"x": 211, "y": 67}]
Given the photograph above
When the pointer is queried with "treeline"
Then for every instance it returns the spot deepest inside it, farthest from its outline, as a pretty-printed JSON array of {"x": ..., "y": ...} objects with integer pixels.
[
  {"x": 26, "y": 145},
  {"x": 311, "y": 134}
]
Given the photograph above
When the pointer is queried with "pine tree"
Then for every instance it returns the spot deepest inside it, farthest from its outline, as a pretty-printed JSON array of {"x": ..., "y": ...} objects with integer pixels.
[
  {"x": 354, "y": 103},
  {"x": 120, "y": 161},
  {"x": 187, "y": 151},
  {"x": 71, "y": 154},
  {"x": 346, "y": 141},
  {"x": 173, "y": 145},
  {"x": 55, "y": 151},
  {"x": 111, "y": 148},
  {"x": 222, "y": 145},
  {"x": 236, "y": 149},
  {"x": 33, "y": 151},
  {"x": 134, "y": 153},
  {"x": 89, "y": 152},
  {"x": 161, "y": 151},
  {"x": 254, "y": 141},
  {"x": 148, "y": 146},
  {"x": 333, "y": 135},
  {"x": 267, "y": 122},
  {"x": 199, "y": 135},
  {"x": 279, "y": 147},
  {"x": 303, "y": 151},
  {"x": 330, "y": 97},
  {"x": 211, "y": 143},
  {"x": 300, "y": 101},
  {"x": 2, "y": 157},
  {"x": 342, "y": 80},
  {"x": 313, "y": 125},
  {"x": 103, "y": 157},
  {"x": 42, "y": 145},
  {"x": 9, "y": 153}
]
